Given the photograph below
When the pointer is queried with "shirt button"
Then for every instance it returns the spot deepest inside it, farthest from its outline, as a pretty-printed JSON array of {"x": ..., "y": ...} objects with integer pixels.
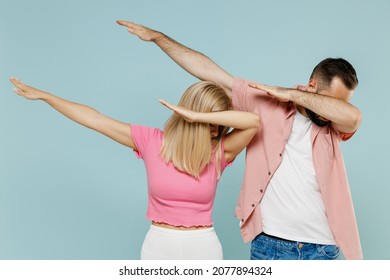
[
  {"x": 280, "y": 154},
  {"x": 269, "y": 172},
  {"x": 261, "y": 190},
  {"x": 253, "y": 205},
  {"x": 242, "y": 220}
]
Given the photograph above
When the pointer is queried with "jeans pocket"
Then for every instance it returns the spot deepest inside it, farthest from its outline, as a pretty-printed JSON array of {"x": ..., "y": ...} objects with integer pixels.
[
  {"x": 261, "y": 250},
  {"x": 331, "y": 252}
]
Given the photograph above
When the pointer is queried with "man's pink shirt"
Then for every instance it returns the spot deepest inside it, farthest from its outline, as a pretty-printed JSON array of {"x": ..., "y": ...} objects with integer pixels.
[{"x": 264, "y": 154}]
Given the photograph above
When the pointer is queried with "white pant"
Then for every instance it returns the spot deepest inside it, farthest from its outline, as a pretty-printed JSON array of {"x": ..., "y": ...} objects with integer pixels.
[{"x": 170, "y": 244}]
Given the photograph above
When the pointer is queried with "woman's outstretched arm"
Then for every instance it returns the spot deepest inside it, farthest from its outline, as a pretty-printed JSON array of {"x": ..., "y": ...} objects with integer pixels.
[{"x": 84, "y": 115}]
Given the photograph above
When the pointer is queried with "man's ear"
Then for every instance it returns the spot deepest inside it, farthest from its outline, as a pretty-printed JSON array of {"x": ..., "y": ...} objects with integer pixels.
[{"x": 312, "y": 85}]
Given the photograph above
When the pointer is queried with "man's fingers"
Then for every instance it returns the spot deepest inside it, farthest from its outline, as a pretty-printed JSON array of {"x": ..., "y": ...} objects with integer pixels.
[
  {"x": 132, "y": 30},
  {"x": 130, "y": 25},
  {"x": 258, "y": 86},
  {"x": 124, "y": 23},
  {"x": 301, "y": 87}
]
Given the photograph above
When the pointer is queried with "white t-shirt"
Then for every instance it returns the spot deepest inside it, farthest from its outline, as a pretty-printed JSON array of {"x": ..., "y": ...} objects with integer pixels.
[{"x": 292, "y": 207}]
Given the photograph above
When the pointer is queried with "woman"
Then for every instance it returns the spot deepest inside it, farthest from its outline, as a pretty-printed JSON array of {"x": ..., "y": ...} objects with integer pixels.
[{"x": 183, "y": 163}]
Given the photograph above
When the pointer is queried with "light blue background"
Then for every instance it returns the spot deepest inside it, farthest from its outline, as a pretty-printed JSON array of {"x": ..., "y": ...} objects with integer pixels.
[{"x": 68, "y": 193}]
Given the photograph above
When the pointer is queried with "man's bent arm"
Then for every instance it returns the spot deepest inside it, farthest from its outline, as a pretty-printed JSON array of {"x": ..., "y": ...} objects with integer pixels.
[{"x": 345, "y": 117}]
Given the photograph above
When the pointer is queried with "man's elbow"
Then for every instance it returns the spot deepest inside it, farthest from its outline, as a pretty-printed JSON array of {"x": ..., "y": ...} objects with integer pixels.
[
  {"x": 349, "y": 123},
  {"x": 356, "y": 119}
]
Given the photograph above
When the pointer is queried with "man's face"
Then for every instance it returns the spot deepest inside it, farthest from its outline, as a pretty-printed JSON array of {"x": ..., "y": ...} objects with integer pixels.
[{"x": 336, "y": 90}]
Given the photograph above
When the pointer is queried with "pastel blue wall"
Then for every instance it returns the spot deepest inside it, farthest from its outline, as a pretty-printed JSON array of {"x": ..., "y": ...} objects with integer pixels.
[{"x": 69, "y": 193}]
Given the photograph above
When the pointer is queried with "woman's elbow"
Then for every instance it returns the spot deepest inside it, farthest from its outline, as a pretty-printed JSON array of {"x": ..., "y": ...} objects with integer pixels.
[{"x": 256, "y": 121}]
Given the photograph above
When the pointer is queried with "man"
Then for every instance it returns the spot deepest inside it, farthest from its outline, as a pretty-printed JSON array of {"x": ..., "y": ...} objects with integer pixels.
[{"x": 295, "y": 201}]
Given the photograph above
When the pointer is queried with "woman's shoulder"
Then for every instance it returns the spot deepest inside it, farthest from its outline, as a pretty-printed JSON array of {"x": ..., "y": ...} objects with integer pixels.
[
  {"x": 146, "y": 134},
  {"x": 148, "y": 130}
]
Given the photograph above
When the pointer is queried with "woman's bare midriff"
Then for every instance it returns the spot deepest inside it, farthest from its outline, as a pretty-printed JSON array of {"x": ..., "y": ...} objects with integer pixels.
[{"x": 164, "y": 225}]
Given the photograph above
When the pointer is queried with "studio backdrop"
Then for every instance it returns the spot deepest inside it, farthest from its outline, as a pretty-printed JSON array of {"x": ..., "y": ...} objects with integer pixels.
[{"x": 67, "y": 192}]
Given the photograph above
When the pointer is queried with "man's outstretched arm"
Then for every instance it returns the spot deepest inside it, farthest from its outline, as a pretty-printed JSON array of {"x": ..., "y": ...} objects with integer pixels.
[{"x": 196, "y": 63}]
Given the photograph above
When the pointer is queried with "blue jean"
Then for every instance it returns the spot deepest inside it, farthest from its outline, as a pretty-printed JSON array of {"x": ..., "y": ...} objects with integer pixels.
[{"x": 265, "y": 247}]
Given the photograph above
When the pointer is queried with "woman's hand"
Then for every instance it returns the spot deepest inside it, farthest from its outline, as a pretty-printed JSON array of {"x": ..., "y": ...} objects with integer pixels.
[
  {"x": 188, "y": 115},
  {"x": 27, "y": 91}
]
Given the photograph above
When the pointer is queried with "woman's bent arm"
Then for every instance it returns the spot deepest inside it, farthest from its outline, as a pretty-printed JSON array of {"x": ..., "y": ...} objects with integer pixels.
[{"x": 245, "y": 126}]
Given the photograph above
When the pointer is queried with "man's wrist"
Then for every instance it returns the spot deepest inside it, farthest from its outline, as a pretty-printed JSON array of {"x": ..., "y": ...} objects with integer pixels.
[
  {"x": 296, "y": 95},
  {"x": 158, "y": 37}
]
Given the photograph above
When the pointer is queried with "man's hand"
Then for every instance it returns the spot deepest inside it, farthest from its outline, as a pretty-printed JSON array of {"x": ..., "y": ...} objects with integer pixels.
[
  {"x": 283, "y": 94},
  {"x": 144, "y": 33}
]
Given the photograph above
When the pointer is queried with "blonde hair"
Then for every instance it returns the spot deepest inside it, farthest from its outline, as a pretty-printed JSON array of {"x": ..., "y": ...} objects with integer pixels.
[{"x": 188, "y": 145}]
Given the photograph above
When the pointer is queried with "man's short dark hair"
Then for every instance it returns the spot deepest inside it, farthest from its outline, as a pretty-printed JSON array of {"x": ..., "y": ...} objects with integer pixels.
[{"x": 329, "y": 68}]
